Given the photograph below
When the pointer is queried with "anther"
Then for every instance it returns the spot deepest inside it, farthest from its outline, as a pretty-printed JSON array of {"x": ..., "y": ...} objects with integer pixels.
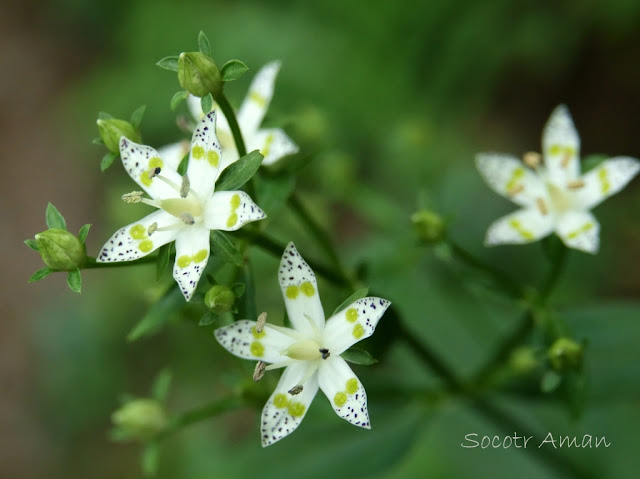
[
  {"x": 532, "y": 159},
  {"x": 133, "y": 197},
  {"x": 515, "y": 190},
  {"x": 154, "y": 172},
  {"x": 575, "y": 184},
  {"x": 185, "y": 186},
  {"x": 296, "y": 390},
  {"x": 325, "y": 353},
  {"x": 258, "y": 372},
  {"x": 566, "y": 159},
  {"x": 262, "y": 319},
  {"x": 152, "y": 228},
  {"x": 542, "y": 206},
  {"x": 187, "y": 218}
]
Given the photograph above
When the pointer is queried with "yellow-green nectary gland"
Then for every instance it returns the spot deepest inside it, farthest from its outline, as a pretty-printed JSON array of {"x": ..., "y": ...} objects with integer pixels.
[
  {"x": 258, "y": 335},
  {"x": 156, "y": 162},
  {"x": 233, "y": 219},
  {"x": 257, "y": 349},
  {"x": 200, "y": 256},
  {"x": 339, "y": 399},
  {"x": 352, "y": 386},
  {"x": 183, "y": 261},
  {"x": 352, "y": 315},
  {"x": 292, "y": 291},
  {"x": 358, "y": 331},
  {"x": 138, "y": 232},
  {"x": 305, "y": 350},
  {"x": 197, "y": 152},
  {"x": 235, "y": 202},
  {"x": 213, "y": 158},
  {"x": 296, "y": 409},
  {"x": 178, "y": 206},
  {"x": 604, "y": 181},
  {"x": 144, "y": 178},
  {"x": 280, "y": 401},
  {"x": 145, "y": 245},
  {"x": 308, "y": 289}
]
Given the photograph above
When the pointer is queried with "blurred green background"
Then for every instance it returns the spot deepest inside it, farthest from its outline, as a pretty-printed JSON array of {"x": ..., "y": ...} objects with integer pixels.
[{"x": 393, "y": 99}]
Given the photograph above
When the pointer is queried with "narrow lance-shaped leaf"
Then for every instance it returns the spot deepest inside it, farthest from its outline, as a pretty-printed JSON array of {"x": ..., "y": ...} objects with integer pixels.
[
  {"x": 358, "y": 356},
  {"x": 160, "y": 388},
  {"x": 361, "y": 293},
  {"x": 54, "y": 218},
  {"x": 103, "y": 115},
  {"x": 82, "y": 234},
  {"x": 74, "y": 280},
  {"x": 40, "y": 274},
  {"x": 107, "y": 160},
  {"x": 169, "y": 63},
  {"x": 232, "y": 70},
  {"x": 149, "y": 459},
  {"x": 136, "y": 116},
  {"x": 162, "y": 262},
  {"x": 177, "y": 98},
  {"x": 225, "y": 249},
  {"x": 31, "y": 243},
  {"x": 203, "y": 44},
  {"x": 239, "y": 172},
  {"x": 206, "y": 103},
  {"x": 160, "y": 313}
]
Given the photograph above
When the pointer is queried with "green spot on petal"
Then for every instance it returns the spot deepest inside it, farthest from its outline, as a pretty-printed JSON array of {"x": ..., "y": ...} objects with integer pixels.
[
  {"x": 183, "y": 261},
  {"x": 256, "y": 334},
  {"x": 213, "y": 158},
  {"x": 352, "y": 315},
  {"x": 352, "y": 386},
  {"x": 257, "y": 349},
  {"x": 280, "y": 401},
  {"x": 200, "y": 256},
  {"x": 292, "y": 291},
  {"x": 138, "y": 232},
  {"x": 308, "y": 289},
  {"x": 358, "y": 331},
  {"x": 197, "y": 152},
  {"x": 296, "y": 409},
  {"x": 339, "y": 399},
  {"x": 233, "y": 219},
  {"x": 145, "y": 246}
]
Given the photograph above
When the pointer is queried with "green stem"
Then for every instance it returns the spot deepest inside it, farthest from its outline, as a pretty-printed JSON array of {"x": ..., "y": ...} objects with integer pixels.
[
  {"x": 552, "y": 278},
  {"x": 230, "y": 115},
  {"x": 91, "y": 263}
]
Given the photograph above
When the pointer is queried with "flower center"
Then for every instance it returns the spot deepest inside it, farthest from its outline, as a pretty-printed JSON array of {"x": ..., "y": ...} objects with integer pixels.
[
  {"x": 179, "y": 206},
  {"x": 306, "y": 350},
  {"x": 560, "y": 200}
]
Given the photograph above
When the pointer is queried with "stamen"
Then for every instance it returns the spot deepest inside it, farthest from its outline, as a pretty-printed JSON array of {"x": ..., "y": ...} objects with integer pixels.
[
  {"x": 532, "y": 159},
  {"x": 153, "y": 172},
  {"x": 259, "y": 371},
  {"x": 166, "y": 180},
  {"x": 152, "y": 228},
  {"x": 296, "y": 390},
  {"x": 184, "y": 188},
  {"x": 314, "y": 326},
  {"x": 187, "y": 218},
  {"x": 133, "y": 197},
  {"x": 281, "y": 364},
  {"x": 575, "y": 184},
  {"x": 149, "y": 202},
  {"x": 325, "y": 353},
  {"x": 262, "y": 319},
  {"x": 175, "y": 226},
  {"x": 542, "y": 206},
  {"x": 292, "y": 333},
  {"x": 515, "y": 190},
  {"x": 566, "y": 159}
]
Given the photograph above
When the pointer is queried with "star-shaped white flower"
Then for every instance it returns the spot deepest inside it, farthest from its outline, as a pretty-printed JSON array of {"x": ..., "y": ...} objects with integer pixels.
[
  {"x": 188, "y": 207},
  {"x": 554, "y": 195},
  {"x": 310, "y": 351},
  {"x": 273, "y": 143}
]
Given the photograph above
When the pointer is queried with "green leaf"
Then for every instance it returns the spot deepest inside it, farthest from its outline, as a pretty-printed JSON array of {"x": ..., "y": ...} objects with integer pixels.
[
  {"x": 40, "y": 274},
  {"x": 107, "y": 160},
  {"x": 54, "y": 218},
  {"x": 207, "y": 319},
  {"x": 104, "y": 116},
  {"x": 203, "y": 44},
  {"x": 232, "y": 70},
  {"x": 162, "y": 262},
  {"x": 149, "y": 459},
  {"x": 272, "y": 191},
  {"x": 239, "y": 172},
  {"x": 550, "y": 381},
  {"x": 177, "y": 98},
  {"x": 592, "y": 161},
  {"x": 74, "y": 280},
  {"x": 161, "y": 384},
  {"x": 184, "y": 164},
  {"x": 206, "y": 103},
  {"x": 136, "y": 116},
  {"x": 238, "y": 289},
  {"x": 361, "y": 293},
  {"x": 97, "y": 141},
  {"x": 31, "y": 243},
  {"x": 161, "y": 312},
  {"x": 168, "y": 63},
  {"x": 82, "y": 234},
  {"x": 358, "y": 356},
  {"x": 224, "y": 248}
]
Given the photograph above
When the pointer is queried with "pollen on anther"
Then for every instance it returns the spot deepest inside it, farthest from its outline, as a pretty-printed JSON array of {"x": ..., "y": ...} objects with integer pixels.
[
  {"x": 187, "y": 218},
  {"x": 532, "y": 159},
  {"x": 519, "y": 188},
  {"x": 542, "y": 206},
  {"x": 575, "y": 184},
  {"x": 152, "y": 228}
]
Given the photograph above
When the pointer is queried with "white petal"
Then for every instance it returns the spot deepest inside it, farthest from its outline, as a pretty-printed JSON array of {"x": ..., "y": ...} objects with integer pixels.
[
  {"x": 258, "y": 98},
  {"x": 195, "y": 108},
  {"x": 242, "y": 340},
  {"x": 561, "y": 147},
  {"x": 230, "y": 210},
  {"x": 138, "y": 160},
  {"x": 283, "y": 412},
  {"x": 605, "y": 180},
  {"x": 273, "y": 143},
  {"x": 173, "y": 153},
  {"x": 510, "y": 178},
  {"x": 523, "y": 226},
  {"x": 354, "y": 323},
  {"x": 344, "y": 391},
  {"x": 192, "y": 254},
  {"x": 133, "y": 241},
  {"x": 300, "y": 291},
  {"x": 204, "y": 160},
  {"x": 579, "y": 230}
]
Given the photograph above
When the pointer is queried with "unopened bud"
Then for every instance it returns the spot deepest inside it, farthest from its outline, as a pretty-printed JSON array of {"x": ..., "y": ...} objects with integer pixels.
[
  {"x": 523, "y": 360},
  {"x": 112, "y": 129},
  {"x": 61, "y": 250},
  {"x": 565, "y": 354},
  {"x": 140, "y": 419},
  {"x": 199, "y": 75},
  {"x": 219, "y": 299},
  {"x": 429, "y": 227}
]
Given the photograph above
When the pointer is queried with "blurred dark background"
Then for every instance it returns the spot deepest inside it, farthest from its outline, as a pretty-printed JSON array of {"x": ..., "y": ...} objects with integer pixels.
[{"x": 393, "y": 99}]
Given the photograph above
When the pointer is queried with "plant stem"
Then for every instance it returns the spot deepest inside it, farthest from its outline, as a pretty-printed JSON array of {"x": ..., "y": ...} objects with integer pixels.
[
  {"x": 552, "y": 278},
  {"x": 91, "y": 263},
  {"x": 230, "y": 115}
]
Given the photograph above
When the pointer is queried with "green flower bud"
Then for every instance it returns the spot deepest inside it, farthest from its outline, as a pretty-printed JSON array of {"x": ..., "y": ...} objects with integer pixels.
[
  {"x": 565, "y": 354},
  {"x": 219, "y": 299},
  {"x": 199, "y": 75},
  {"x": 523, "y": 360},
  {"x": 112, "y": 129},
  {"x": 61, "y": 250},
  {"x": 140, "y": 419},
  {"x": 429, "y": 227}
]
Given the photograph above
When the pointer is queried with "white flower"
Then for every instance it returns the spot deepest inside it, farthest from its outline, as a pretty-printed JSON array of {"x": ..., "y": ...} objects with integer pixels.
[
  {"x": 554, "y": 195},
  {"x": 310, "y": 351},
  {"x": 188, "y": 207},
  {"x": 273, "y": 143}
]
